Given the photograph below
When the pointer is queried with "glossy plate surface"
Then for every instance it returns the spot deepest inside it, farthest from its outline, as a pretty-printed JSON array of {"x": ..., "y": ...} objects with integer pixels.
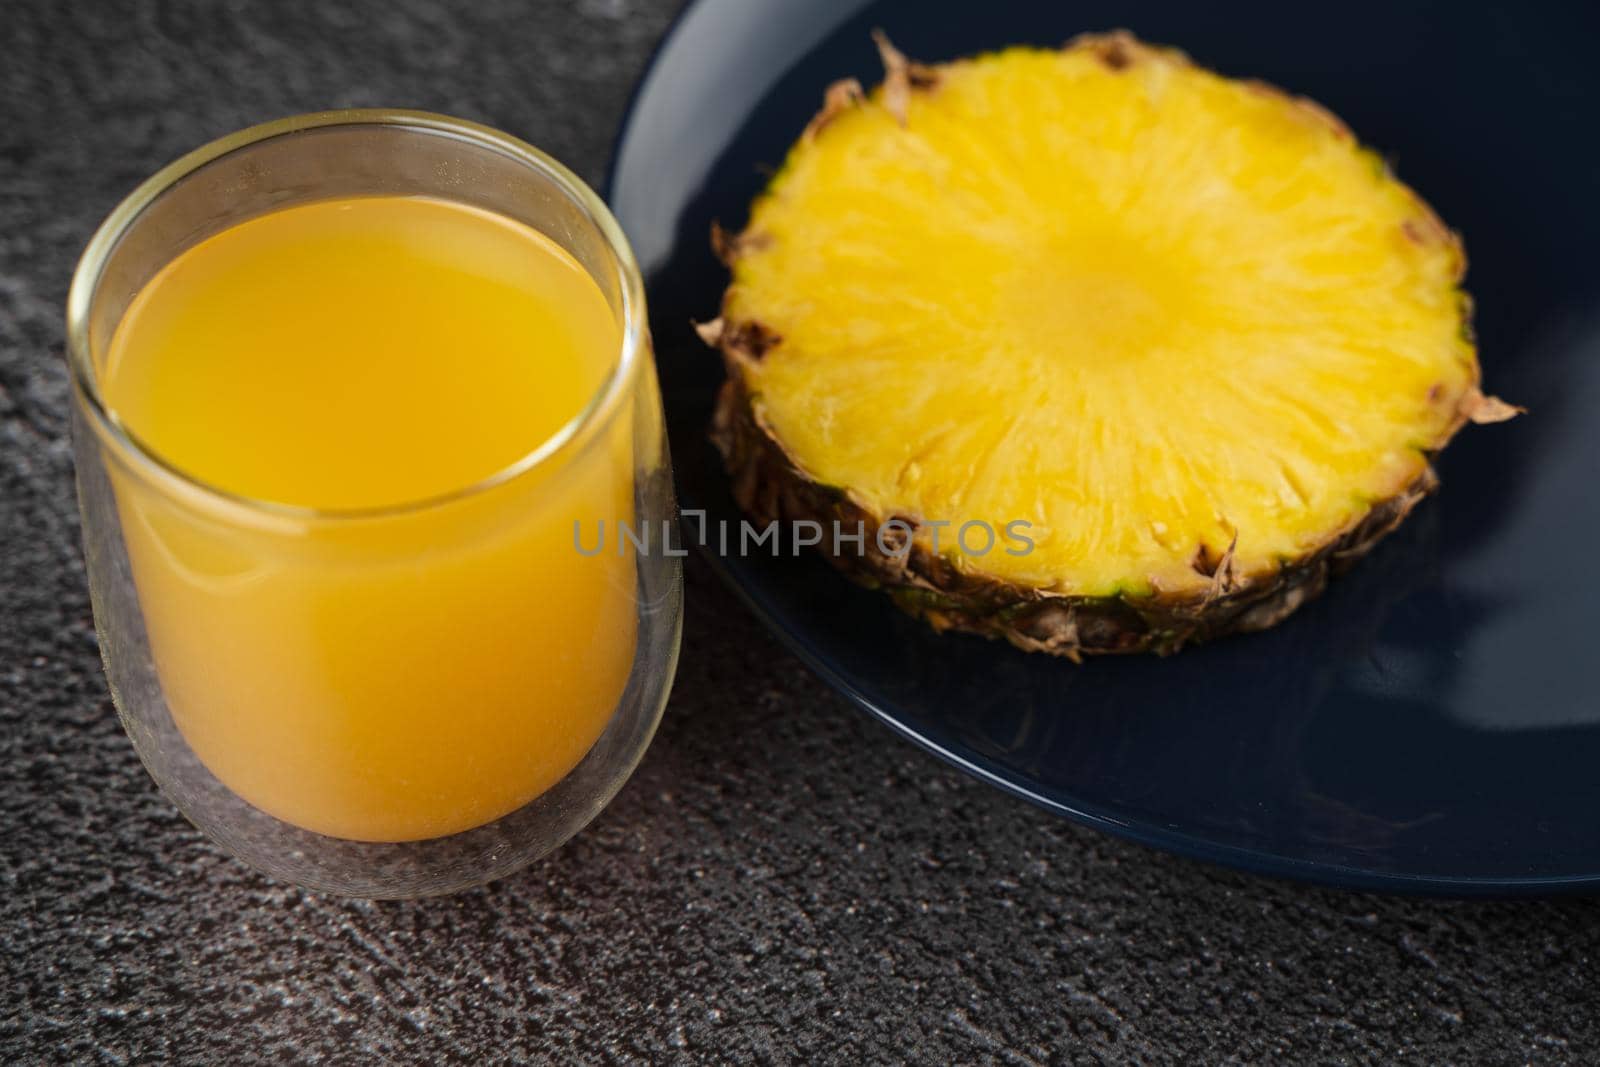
[{"x": 1431, "y": 724}]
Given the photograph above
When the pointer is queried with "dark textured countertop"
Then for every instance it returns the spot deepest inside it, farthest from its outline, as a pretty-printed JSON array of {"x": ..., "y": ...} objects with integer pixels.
[{"x": 781, "y": 880}]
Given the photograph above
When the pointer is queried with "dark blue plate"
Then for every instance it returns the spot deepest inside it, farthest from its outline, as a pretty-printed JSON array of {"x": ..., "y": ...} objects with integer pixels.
[{"x": 1431, "y": 724}]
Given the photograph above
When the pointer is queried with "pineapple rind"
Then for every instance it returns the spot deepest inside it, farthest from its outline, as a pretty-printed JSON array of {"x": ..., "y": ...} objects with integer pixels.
[{"x": 769, "y": 485}]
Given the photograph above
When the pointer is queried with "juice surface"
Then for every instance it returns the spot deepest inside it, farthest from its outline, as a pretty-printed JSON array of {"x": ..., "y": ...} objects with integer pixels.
[
  {"x": 360, "y": 352},
  {"x": 418, "y": 673}
]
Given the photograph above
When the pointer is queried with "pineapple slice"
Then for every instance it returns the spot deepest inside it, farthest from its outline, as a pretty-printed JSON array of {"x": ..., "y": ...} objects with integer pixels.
[{"x": 1183, "y": 328}]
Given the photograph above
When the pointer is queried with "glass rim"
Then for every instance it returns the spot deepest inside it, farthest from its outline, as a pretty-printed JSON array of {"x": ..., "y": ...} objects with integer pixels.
[{"x": 582, "y": 426}]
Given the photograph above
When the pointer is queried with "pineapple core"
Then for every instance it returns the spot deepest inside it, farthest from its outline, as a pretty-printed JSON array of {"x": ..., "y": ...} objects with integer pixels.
[{"x": 1150, "y": 311}]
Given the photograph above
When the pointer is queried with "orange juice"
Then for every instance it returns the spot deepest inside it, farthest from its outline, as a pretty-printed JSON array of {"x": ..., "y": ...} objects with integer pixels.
[{"x": 437, "y": 653}]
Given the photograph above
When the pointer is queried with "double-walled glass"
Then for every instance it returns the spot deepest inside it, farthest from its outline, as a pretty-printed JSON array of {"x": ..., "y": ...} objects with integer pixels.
[{"x": 394, "y": 701}]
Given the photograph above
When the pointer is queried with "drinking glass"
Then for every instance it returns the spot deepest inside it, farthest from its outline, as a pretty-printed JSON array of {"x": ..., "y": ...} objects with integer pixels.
[{"x": 248, "y": 644}]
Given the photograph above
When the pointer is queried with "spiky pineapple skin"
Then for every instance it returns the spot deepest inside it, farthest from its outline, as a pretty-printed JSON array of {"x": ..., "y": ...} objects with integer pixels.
[{"x": 769, "y": 484}]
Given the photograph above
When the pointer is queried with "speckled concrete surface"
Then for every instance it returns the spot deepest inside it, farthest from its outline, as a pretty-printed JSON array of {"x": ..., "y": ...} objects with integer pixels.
[{"x": 782, "y": 880}]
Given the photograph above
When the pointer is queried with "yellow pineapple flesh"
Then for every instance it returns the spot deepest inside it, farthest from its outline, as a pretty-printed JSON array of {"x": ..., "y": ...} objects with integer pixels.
[{"x": 1184, "y": 327}]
